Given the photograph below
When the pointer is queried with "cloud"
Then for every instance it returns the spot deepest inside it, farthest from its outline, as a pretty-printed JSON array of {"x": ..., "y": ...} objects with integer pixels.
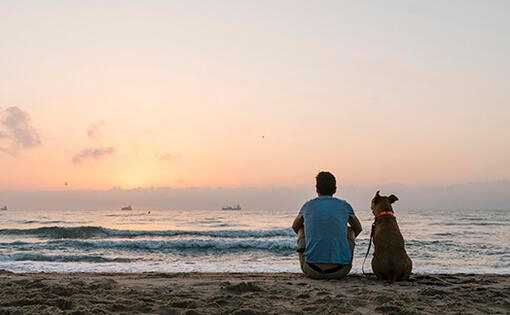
[
  {"x": 16, "y": 131},
  {"x": 168, "y": 157},
  {"x": 94, "y": 130},
  {"x": 92, "y": 153}
]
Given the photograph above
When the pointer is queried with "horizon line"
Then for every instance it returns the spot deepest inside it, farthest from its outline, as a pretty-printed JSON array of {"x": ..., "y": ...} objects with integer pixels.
[{"x": 411, "y": 185}]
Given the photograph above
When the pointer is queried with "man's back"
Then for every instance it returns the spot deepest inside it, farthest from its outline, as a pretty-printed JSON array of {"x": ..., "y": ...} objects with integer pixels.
[{"x": 325, "y": 222}]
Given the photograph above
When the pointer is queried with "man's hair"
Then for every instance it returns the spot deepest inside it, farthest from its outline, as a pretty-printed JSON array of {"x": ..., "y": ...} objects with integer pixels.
[{"x": 326, "y": 183}]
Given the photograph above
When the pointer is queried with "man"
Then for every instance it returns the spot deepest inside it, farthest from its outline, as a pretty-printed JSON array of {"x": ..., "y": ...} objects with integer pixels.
[{"x": 325, "y": 241}]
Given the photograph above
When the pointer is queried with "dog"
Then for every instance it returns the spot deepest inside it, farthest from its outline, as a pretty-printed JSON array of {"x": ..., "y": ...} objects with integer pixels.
[{"x": 390, "y": 261}]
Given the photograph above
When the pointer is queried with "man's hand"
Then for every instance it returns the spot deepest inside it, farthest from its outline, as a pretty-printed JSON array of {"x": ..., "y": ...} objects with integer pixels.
[{"x": 355, "y": 225}]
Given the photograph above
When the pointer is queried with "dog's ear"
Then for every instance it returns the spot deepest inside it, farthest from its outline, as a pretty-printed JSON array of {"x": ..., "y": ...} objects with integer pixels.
[
  {"x": 392, "y": 198},
  {"x": 377, "y": 194}
]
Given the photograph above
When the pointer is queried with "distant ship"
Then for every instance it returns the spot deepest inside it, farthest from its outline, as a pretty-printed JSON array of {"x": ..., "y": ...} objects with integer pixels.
[
  {"x": 236, "y": 207},
  {"x": 3, "y": 208},
  {"x": 126, "y": 208}
]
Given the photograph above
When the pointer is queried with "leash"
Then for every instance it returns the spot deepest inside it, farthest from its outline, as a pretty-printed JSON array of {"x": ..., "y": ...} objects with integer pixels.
[
  {"x": 372, "y": 235},
  {"x": 368, "y": 251}
]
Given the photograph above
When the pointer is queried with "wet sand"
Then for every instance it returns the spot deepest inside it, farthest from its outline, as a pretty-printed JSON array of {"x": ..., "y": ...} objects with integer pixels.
[{"x": 249, "y": 293}]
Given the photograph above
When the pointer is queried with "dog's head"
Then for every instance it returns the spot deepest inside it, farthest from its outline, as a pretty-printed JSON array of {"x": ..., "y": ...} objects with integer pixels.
[{"x": 382, "y": 203}]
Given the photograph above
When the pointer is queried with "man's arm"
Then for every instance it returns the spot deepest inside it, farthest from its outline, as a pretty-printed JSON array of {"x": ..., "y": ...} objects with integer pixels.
[
  {"x": 297, "y": 224},
  {"x": 355, "y": 225}
]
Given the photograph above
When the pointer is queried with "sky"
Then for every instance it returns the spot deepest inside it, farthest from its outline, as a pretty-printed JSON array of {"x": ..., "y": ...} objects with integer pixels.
[{"x": 96, "y": 95}]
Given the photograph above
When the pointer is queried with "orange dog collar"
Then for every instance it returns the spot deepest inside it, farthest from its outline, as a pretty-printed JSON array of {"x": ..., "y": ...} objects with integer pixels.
[{"x": 383, "y": 214}]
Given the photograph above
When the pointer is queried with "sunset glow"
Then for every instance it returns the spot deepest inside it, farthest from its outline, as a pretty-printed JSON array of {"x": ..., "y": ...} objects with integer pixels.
[{"x": 238, "y": 94}]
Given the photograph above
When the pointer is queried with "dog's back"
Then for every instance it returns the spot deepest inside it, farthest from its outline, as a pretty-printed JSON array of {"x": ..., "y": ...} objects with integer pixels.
[{"x": 390, "y": 262}]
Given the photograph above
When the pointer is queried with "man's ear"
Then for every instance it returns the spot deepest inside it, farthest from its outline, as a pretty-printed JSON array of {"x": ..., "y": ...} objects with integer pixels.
[{"x": 392, "y": 198}]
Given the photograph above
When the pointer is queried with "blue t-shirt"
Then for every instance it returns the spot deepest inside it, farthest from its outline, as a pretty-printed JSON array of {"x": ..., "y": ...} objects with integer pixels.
[{"x": 325, "y": 220}]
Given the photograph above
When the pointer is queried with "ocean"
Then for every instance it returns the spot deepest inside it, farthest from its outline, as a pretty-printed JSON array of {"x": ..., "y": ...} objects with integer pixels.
[{"x": 140, "y": 240}]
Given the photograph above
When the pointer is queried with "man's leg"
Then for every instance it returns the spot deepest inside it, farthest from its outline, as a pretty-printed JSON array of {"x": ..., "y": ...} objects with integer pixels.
[
  {"x": 351, "y": 236},
  {"x": 301, "y": 246},
  {"x": 301, "y": 240}
]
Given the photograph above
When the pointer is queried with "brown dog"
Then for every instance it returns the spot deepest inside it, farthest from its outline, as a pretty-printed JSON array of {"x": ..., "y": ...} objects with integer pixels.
[{"x": 390, "y": 262}]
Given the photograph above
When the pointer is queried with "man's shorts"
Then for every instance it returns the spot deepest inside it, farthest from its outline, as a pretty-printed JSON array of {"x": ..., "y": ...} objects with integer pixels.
[{"x": 314, "y": 271}]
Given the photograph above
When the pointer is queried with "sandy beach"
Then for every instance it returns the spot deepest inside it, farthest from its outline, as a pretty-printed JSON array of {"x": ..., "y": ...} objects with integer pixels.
[{"x": 248, "y": 293}]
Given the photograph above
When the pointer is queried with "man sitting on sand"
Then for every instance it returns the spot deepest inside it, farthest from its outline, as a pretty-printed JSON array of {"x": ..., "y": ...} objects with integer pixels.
[{"x": 325, "y": 241}]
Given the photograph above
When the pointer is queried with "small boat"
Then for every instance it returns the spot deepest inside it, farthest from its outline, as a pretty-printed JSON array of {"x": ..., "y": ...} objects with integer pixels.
[
  {"x": 236, "y": 207},
  {"x": 126, "y": 208},
  {"x": 3, "y": 208}
]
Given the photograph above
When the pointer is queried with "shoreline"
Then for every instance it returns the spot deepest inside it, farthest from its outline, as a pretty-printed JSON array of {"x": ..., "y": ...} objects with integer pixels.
[{"x": 249, "y": 293}]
